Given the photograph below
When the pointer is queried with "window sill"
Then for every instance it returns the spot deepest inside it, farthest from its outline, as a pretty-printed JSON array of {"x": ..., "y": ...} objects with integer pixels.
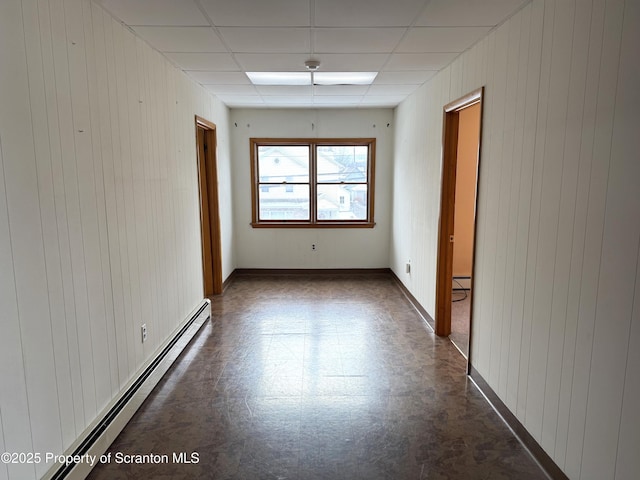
[{"x": 294, "y": 224}]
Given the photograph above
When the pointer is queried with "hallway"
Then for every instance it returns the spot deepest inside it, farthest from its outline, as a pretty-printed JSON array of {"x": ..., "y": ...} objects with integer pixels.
[{"x": 323, "y": 376}]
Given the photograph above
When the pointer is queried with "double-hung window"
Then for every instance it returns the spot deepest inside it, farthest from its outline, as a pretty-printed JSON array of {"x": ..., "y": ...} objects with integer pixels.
[{"x": 312, "y": 182}]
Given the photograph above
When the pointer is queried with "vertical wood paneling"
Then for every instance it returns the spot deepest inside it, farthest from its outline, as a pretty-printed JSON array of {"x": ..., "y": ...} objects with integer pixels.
[
  {"x": 173, "y": 173},
  {"x": 13, "y": 395},
  {"x": 497, "y": 174},
  {"x": 89, "y": 327},
  {"x": 540, "y": 376},
  {"x": 599, "y": 149},
  {"x": 520, "y": 191},
  {"x": 4, "y": 472},
  {"x": 140, "y": 292},
  {"x": 510, "y": 172},
  {"x": 39, "y": 118},
  {"x": 103, "y": 323},
  {"x": 618, "y": 262},
  {"x": 624, "y": 156},
  {"x": 529, "y": 182},
  {"x": 55, "y": 112},
  {"x": 77, "y": 321},
  {"x": 482, "y": 282},
  {"x": 583, "y": 265},
  {"x": 540, "y": 262},
  {"x": 163, "y": 156},
  {"x": 92, "y": 192},
  {"x": 556, "y": 295},
  {"x": 627, "y": 460},
  {"x": 143, "y": 200},
  {"x": 97, "y": 181},
  {"x": 120, "y": 125},
  {"x": 571, "y": 237},
  {"x": 112, "y": 168},
  {"x": 103, "y": 158},
  {"x": 126, "y": 48},
  {"x": 543, "y": 19},
  {"x": 154, "y": 189},
  {"x": 29, "y": 265}
]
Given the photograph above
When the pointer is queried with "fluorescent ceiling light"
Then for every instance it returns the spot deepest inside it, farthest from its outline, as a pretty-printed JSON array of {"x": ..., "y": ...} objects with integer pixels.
[
  {"x": 319, "y": 78},
  {"x": 279, "y": 78},
  {"x": 344, "y": 78}
]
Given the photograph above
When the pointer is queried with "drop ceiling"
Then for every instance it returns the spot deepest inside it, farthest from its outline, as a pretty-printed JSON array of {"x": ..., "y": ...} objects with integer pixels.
[{"x": 216, "y": 42}]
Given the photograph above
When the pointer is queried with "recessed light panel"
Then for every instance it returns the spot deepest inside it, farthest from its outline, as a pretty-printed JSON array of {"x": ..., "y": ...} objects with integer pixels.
[
  {"x": 344, "y": 78},
  {"x": 279, "y": 78}
]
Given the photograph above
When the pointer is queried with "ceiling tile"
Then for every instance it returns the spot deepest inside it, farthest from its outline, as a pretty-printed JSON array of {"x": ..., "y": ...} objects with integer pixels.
[
  {"x": 252, "y": 13},
  {"x": 404, "y": 78},
  {"x": 182, "y": 39},
  {"x": 391, "y": 89},
  {"x": 242, "y": 100},
  {"x": 217, "y": 41},
  {"x": 281, "y": 90},
  {"x": 156, "y": 12},
  {"x": 366, "y": 13},
  {"x": 356, "y": 40},
  {"x": 383, "y": 100},
  {"x": 441, "y": 39},
  {"x": 204, "y": 61},
  {"x": 467, "y": 12},
  {"x": 219, "y": 78},
  {"x": 265, "y": 62},
  {"x": 232, "y": 89},
  {"x": 419, "y": 61},
  {"x": 267, "y": 40},
  {"x": 289, "y": 100},
  {"x": 340, "y": 89},
  {"x": 337, "y": 99}
]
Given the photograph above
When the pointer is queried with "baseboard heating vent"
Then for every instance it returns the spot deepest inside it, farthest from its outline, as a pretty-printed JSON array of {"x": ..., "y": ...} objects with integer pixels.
[{"x": 94, "y": 442}]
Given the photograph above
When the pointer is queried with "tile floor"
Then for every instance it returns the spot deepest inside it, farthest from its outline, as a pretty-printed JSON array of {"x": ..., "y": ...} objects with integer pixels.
[
  {"x": 460, "y": 311},
  {"x": 319, "y": 377}
]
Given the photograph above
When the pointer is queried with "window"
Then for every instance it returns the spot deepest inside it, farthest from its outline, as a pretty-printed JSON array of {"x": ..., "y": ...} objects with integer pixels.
[{"x": 312, "y": 182}]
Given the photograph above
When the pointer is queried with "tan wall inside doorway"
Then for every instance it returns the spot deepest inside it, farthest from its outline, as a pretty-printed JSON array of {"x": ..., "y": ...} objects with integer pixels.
[{"x": 466, "y": 176}]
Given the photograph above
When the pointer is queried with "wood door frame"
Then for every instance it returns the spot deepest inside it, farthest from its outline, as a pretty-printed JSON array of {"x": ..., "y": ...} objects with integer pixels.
[
  {"x": 444, "y": 275},
  {"x": 209, "y": 206}
]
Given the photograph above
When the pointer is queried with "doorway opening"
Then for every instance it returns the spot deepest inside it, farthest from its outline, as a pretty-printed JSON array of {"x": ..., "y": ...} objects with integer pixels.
[
  {"x": 209, "y": 210},
  {"x": 456, "y": 240}
]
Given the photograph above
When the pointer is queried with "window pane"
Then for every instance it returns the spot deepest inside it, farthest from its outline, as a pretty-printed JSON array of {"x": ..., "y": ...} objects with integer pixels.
[
  {"x": 284, "y": 202},
  {"x": 282, "y": 163},
  {"x": 342, "y": 163},
  {"x": 342, "y": 202}
]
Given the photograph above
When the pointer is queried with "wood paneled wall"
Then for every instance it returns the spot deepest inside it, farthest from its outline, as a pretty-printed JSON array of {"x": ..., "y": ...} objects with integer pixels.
[
  {"x": 99, "y": 215},
  {"x": 557, "y": 300}
]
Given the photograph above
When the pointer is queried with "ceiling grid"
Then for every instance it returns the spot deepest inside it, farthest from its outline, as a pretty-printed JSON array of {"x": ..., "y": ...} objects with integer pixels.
[{"x": 217, "y": 42}]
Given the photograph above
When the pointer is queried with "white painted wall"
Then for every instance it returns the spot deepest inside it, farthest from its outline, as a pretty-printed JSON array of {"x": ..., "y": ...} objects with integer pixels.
[
  {"x": 289, "y": 247},
  {"x": 557, "y": 300},
  {"x": 99, "y": 215}
]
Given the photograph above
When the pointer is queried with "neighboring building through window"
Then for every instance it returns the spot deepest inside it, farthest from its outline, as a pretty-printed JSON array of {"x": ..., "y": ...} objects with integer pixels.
[{"x": 312, "y": 182}]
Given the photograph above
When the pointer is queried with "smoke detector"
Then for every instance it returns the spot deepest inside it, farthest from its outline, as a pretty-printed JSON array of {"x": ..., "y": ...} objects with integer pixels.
[{"x": 312, "y": 65}]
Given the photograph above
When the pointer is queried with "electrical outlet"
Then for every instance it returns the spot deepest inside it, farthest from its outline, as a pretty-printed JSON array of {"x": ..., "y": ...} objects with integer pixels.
[
  {"x": 313, "y": 246},
  {"x": 143, "y": 330}
]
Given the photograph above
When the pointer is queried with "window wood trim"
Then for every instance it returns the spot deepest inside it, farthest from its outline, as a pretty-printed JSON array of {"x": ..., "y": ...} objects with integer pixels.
[{"x": 313, "y": 222}]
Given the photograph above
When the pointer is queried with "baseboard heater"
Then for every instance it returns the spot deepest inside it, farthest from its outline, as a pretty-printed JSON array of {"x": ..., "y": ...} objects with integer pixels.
[
  {"x": 113, "y": 421},
  {"x": 461, "y": 283}
]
